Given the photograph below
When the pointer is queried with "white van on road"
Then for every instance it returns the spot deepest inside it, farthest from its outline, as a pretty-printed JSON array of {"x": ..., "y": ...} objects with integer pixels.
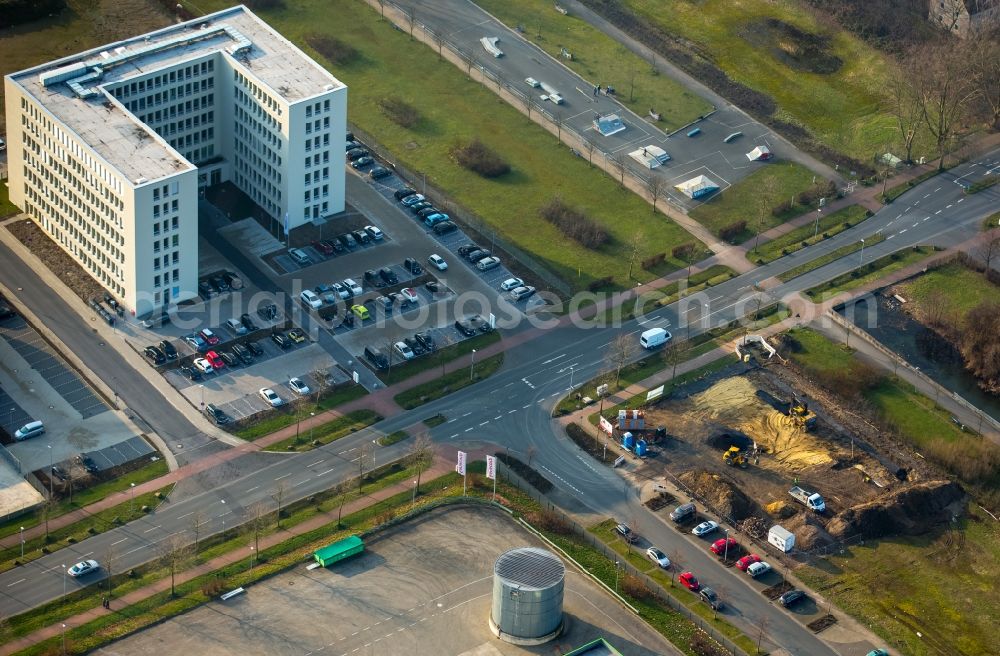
[{"x": 654, "y": 337}]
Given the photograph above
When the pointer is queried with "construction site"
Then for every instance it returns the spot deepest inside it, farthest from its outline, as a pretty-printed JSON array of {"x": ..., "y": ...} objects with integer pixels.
[{"x": 760, "y": 445}]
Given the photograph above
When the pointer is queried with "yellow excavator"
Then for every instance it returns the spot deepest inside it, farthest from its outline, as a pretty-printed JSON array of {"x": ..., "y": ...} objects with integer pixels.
[
  {"x": 799, "y": 411},
  {"x": 736, "y": 457}
]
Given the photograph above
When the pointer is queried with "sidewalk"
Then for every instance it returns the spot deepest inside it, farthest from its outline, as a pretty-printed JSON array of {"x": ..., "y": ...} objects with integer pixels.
[{"x": 441, "y": 465}]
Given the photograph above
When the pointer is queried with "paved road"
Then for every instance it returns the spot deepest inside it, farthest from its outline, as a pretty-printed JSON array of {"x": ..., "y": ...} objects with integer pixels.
[
  {"x": 512, "y": 409},
  {"x": 146, "y": 404}
]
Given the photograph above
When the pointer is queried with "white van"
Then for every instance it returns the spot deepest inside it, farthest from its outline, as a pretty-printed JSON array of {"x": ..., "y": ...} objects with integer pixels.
[
  {"x": 311, "y": 299},
  {"x": 654, "y": 337},
  {"x": 29, "y": 430}
]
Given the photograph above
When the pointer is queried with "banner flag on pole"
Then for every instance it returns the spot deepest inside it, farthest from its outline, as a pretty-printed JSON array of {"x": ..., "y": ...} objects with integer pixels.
[
  {"x": 460, "y": 464},
  {"x": 491, "y": 467}
]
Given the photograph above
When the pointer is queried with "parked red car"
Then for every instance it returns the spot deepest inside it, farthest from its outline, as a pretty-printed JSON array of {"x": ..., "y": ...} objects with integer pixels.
[
  {"x": 209, "y": 336},
  {"x": 688, "y": 580},
  {"x": 214, "y": 360},
  {"x": 719, "y": 547},
  {"x": 747, "y": 561},
  {"x": 323, "y": 246}
]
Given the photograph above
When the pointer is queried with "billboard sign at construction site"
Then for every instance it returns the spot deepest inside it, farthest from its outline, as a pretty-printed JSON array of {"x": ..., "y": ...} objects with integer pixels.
[
  {"x": 606, "y": 426},
  {"x": 654, "y": 393}
]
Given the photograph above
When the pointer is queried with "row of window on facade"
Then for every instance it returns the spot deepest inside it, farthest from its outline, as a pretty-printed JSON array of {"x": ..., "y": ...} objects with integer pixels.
[
  {"x": 208, "y": 134},
  {"x": 96, "y": 228},
  {"x": 317, "y": 107},
  {"x": 258, "y": 93},
  {"x": 255, "y": 137},
  {"x": 58, "y": 177},
  {"x": 163, "y": 281},
  {"x": 172, "y": 77},
  {"x": 180, "y": 109},
  {"x": 165, "y": 226},
  {"x": 173, "y": 127},
  {"x": 253, "y": 192},
  {"x": 45, "y": 130},
  {"x": 166, "y": 260}
]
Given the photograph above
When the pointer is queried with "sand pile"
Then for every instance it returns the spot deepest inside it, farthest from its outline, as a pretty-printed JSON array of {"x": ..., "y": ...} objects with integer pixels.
[
  {"x": 723, "y": 496},
  {"x": 780, "y": 509}
]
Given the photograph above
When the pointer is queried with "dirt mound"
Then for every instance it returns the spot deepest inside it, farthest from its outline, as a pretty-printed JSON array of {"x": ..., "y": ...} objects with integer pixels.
[
  {"x": 911, "y": 510},
  {"x": 780, "y": 509},
  {"x": 721, "y": 495},
  {"x": 795, "y": 48},
  {"x": 808, "y": 530},
  {"x": 730, "y": 397},
  {"x": 722, "y": 441}
]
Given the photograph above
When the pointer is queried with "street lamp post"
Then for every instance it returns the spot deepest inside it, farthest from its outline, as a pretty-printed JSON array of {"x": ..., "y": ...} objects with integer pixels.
[
  {"x": 725, "y": 555},
  {"x": 414, "y": 499},
  {"x": 22, "y": 542},
  {"x": 819, "y": 212},
  {"x": 131, "y": 508},
  {"x": 50, "y": 470},
  {"x": 251, "y": 561},
  {"x": 223, "y": 516},
  {"x": 64, "y": 580},
  {"x": 311, "y": 415},
  {"x": 862, "y": 253},
  {"x": 616, "y": 576},
  {"x": 374, "y": 446},
  {"x": 64, "y": 639},
  {"x": 472, "y": 367}
]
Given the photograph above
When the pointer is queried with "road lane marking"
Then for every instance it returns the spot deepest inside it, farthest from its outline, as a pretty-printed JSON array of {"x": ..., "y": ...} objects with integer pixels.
[
  {"x": 903, "y": 230},
  {"x": 938, "y": 212},
  {"x": 948, "y": 207},
  {"x": 283, "y": 476},
  {"x": 325, "y": 473},
  {"x": 554, "y": 359},
  {"x": 484, "y": 423},
  {"x": 187, "y": 515},
  {"x": 467, "y": 414},
  {"x": 148, "y": 530},
  {"x": 927, "y": 196},
  {"x": 313, "y": 464},
  {"x": 16, "y": 582},
  {"x": 959, "y": 200},
  {"x": 469, "y": 429},
  {"x": 455, "y": 435},
  {"x": 510, "y": 412},
  {"x": 937, "y": 190},
  {"x": 525, "y": 407},
  {"x": 253, "y": 488},
  {"x": 119, "y": 542},
  {"x": 497, "y": 417}
]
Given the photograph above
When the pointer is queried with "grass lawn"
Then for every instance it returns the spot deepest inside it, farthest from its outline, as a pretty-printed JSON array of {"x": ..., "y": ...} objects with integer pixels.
[
  {"x": 84, "y": 24},
  {"x": 402, "y": 370},
  {"x": 328, "y": 432},
  {"x": 739, "y": 202},
  {"x": 903, "y": 585},
  {"x": 829, "y": 225},
  {"x": 870, "y": 272},
  {"x": 914, "y": 415},
  {"x": 832, "y": 256},
  {"x": 392, "y": 438},
  {"x": 992, "y": 221},
  {"x": 88, "y": 496},
  {"x": 451, "y": 382},
  {"x": 599, "y": 59},
  {"x": 841, "y": 108},
  {"x": 454, "y": 110},
  {"x": 954, "y": 286},
  {"x": 278, "y": 419},
  {"x": 6, "y": 207}
]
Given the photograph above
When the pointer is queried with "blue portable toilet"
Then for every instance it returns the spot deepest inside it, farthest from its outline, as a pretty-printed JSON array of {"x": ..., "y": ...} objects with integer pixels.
[
  {"x": 628, "y": 441},
  {"x": 640, "y": 448}
]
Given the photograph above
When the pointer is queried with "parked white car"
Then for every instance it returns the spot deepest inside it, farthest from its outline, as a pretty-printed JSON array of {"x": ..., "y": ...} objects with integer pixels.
[
  {"x": 203, "y": 365},
  {"x": 511, "y": 283},
  {"x": 758, "y": 569},
  {"x": 353, "y": 286},
  {"x": 410, "y": 294},
  {"x": 299, "y": 386},
  {"x": 704, "y": 528},
  {"x": 374, "y": 232},
  {"x": 438, "y": 262},
  {"x": 311, "y": 299},
  {"x": 658, "y": 557},
  {"x": 488, "y": 263},
  {"x": 519, "y": 293},
  {"x": 270, "y": 397},
  {"x": 403, "y": 350}
]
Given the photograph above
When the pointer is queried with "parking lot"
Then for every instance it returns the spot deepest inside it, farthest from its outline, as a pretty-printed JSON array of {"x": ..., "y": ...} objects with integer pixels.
[
  {"x": 421, "y": 588},
  {"x": 36, "y": 383}
]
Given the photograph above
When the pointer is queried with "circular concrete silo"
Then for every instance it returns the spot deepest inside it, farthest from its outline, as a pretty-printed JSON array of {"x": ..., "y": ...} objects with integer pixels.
[{"x": 527, "y": 596}]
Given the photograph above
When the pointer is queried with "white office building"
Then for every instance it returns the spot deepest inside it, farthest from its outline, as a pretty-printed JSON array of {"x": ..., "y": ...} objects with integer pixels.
[{"x": 108, "y": 149}]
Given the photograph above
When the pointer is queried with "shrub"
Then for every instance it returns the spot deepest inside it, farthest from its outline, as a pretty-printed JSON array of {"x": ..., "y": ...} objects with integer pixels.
[
  {"x": 399, "y": 111},
  {"x": 684, "y": 252},
  {"x": 781, "y": 209},
  {"x": 601, "y": 283},
  {"x": 654, "y": 261},
  {"x": 574, "y": 224},
  {"x": 703, "y": 645},
  {"x": 817, "y": 191},
  {"x": 635, "y": 588},
  {"x": 480, "y": 158},
  {"x": 334, "y": 50},
  {"x": 551, "y": 521},
  {"x": 213, "y": 587},
  {"x": 732, "y": 231}
]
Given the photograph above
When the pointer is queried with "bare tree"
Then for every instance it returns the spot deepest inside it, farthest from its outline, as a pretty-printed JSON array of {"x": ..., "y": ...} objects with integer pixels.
[
  {"x": 439, "y": 42},
  {"x": 421, "y": 455},
  {"x": 528, "y": 103},
  {"x": 620, "y": 351},
  {"x": 557, "y": 118},
  {"x": 634, "y": 244},
  {"x": 411, "y": 17},
  {"x": 988, "y": 249},
  {"x": 174, "y": 554},
  {"x": 632, "y": 70},
  {"x": 257, "y": 519},
  {"x": 686, "y": 254},
  {"x": 110, "y": 564},
  {"x": 617, "y": 162},
  {"x": 197, "y": 520},
  {"x": 904, "y": 102},
  {"x": 671, "y": 355},
  {"x": 766, "y": 194},
  {"x": 343, "y": 491},
  {"x": 278, "y": 494},
  {"x": 762, "y": 625},
  {"x": 656, "y": 187},
  {"x": 945, "y": 91},
  {"x": 366, "y": 451},
  {"x": 381, "y": 6},
  {"x": 321, "y": 382},
  {"x": 983, "y": 56}
]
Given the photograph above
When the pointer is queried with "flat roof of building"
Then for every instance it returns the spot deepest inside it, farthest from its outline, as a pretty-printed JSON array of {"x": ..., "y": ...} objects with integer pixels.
[{"x": 119, "y": 137}]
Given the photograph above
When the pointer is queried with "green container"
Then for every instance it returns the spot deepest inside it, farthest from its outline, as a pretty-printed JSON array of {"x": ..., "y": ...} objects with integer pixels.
[{"x": 338, "y": 551}]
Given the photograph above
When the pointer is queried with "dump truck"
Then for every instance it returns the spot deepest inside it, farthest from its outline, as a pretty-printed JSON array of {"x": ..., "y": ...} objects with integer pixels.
[{"x": 812, "y": 500}]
